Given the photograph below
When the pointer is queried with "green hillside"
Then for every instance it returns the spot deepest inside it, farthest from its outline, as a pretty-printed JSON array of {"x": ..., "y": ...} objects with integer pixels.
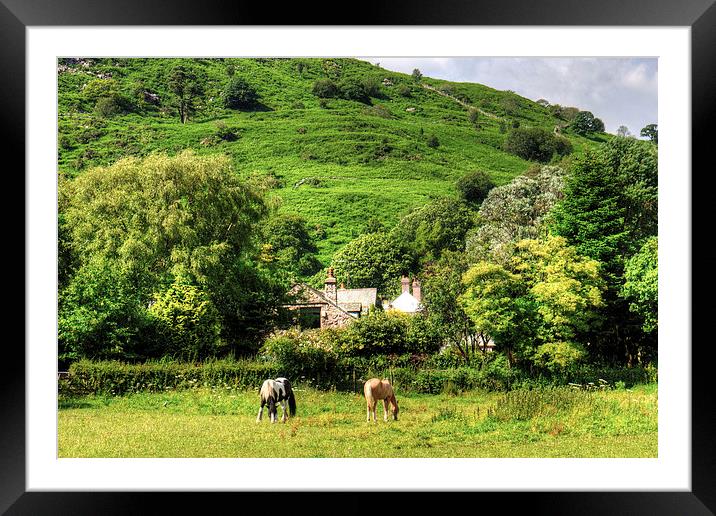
[{"x": 336, "y": 162}]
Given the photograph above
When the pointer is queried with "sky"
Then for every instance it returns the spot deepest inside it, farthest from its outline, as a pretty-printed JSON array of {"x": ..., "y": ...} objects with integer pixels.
[{"x": 619, "y": 91}]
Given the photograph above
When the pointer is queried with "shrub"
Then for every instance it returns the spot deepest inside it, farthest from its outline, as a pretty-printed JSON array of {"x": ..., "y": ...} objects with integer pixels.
[
  {"x": 389, "y": 333},
  {"x": 474, "y": 186},
  {"x": 534, "y": 144},
  {"x": 371, "y": 87},
  {"x": 239, "y": 94},
  {"x": 325, "y": 89},
  {"x": 405, "y": 91},
  {"x": 226, "y": 133},
  {"x": 432, "y": 141},
  {"x": 107, "y": 106},
  {"x": 117, "y": 378},
  {"x": 306, "y": 355},
  {"x": 187, "y": 322},
  {"x": 556, "y": 357},
  {"x": 352, "y": 89}
]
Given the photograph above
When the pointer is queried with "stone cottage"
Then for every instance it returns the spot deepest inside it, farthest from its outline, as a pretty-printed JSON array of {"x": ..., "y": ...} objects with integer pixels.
[{"x": 333, "y": 307}]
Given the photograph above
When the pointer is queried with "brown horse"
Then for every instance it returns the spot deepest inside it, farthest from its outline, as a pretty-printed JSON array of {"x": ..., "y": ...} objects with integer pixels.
[{"x": 376, "y": 389}]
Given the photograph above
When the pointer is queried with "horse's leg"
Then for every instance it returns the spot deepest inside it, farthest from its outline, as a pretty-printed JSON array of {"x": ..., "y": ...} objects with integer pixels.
[
  {"x": 385, "y": 409},
  {"x": 367, "y": 410},
  {"x": 373, "y": 406},
  {"x": 261, "y": 411},
  {"x": 283, "y": 409}
]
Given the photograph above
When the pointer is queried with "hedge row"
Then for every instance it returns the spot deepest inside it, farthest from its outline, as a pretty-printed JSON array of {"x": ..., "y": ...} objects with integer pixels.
[{"x": 116, "y": 378}]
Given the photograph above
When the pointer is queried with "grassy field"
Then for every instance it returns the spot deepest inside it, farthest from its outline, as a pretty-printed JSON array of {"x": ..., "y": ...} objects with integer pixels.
[{"x": 222, "y": 423}]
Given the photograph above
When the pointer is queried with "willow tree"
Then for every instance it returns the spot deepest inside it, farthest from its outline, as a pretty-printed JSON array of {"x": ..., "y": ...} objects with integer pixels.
[{"x": 160, "y": 218}]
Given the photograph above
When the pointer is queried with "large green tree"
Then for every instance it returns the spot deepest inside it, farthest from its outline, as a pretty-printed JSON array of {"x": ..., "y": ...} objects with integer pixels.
[
  {"x": 442, "y": 287},
  {"x": 153, "y": 220},
  {"x": 585, "y": 123},
  {"x": 542, "y": 303},
  {"x": 609, "y": 206},
  {"x": 239, "y": 94},
  {"x": 373, "y": 260},
  {"x": 513, "y": 212},
  {"x": 187, "y": 85},
  {"x": 641, "y": 287},
  {"x": 650, "y": 131},
  {"x": 291, "y": 244},
  {"x": 438, "y": 226}
]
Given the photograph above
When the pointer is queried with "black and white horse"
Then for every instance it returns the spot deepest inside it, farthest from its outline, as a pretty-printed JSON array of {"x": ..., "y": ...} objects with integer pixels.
[{"x": 273, "y": 392}]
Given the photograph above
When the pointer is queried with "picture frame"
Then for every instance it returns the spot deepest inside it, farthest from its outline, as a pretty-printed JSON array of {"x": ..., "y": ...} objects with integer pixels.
[{"x": 700, "y": 16}]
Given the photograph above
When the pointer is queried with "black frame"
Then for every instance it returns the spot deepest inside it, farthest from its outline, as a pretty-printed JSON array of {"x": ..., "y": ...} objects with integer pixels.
[{"x": 700, "y": 15}]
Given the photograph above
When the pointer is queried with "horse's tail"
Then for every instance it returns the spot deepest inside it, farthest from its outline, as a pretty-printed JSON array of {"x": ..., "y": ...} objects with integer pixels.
[{"x": 292, "y": 404}]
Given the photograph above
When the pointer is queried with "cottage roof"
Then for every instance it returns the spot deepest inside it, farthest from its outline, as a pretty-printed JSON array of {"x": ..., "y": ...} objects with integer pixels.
[
  {"x": 307, "y": 295},
  {"x": 364, "y": 296}
]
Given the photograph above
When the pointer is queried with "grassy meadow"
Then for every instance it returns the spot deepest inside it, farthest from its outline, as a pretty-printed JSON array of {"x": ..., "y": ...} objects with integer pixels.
[{"x": 213, "y": 423}]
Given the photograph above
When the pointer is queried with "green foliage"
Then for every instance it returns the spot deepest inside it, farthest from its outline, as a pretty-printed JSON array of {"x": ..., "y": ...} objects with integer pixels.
[
  {"x": 353, "y": 89},
  {"x": 565, "y": 286},
  {"x": 634, "y": 165},
  {"x": 547, "y": 294},
  {"x": 226, "y": 133},
  {"x": 442, "y": 287},
  {"x": 535, "y": 144},
  {"x": 239, "y": 94},
  {"x": 325, "y": 89},
  {"x": 436, "y": 227},
  {"x": 584, "y": 122},
  {"x": 371, "y": 87},
  {"x": 162, "y": 218},
  {"x": 106, "y": 97},
  {"x": 405, "y": 91},
  {"x": 187, "y": 85},
  {"x": 474, "y": 187},
  {"x": 292, "y": 245},
  {"x": 432, "y": 141},
  {"x": 641, "y": 287},
  {"x": 118, "y": 378},
  {"x": 514, "y": 212},
  {"x": 391, "y": 332},
  {"x": 557, "y": 357},
  {"x": 372, "y": 261},
  {"x": 564, "y": 112},
  {"x": 591, "y": 215},
  {"x": 100, "y": 315},
  {"x": 609, "y": 208},
  {"x": 137, "y": 214},
  {"x": 343, "y": 136},
  {"x": 303, "y": 355},
  {"x": 107, "y": 106},
  {"x": 188, "y": 324},
  {"x": 497, "y": 304},
  {"x": 651, "y": 131}
]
